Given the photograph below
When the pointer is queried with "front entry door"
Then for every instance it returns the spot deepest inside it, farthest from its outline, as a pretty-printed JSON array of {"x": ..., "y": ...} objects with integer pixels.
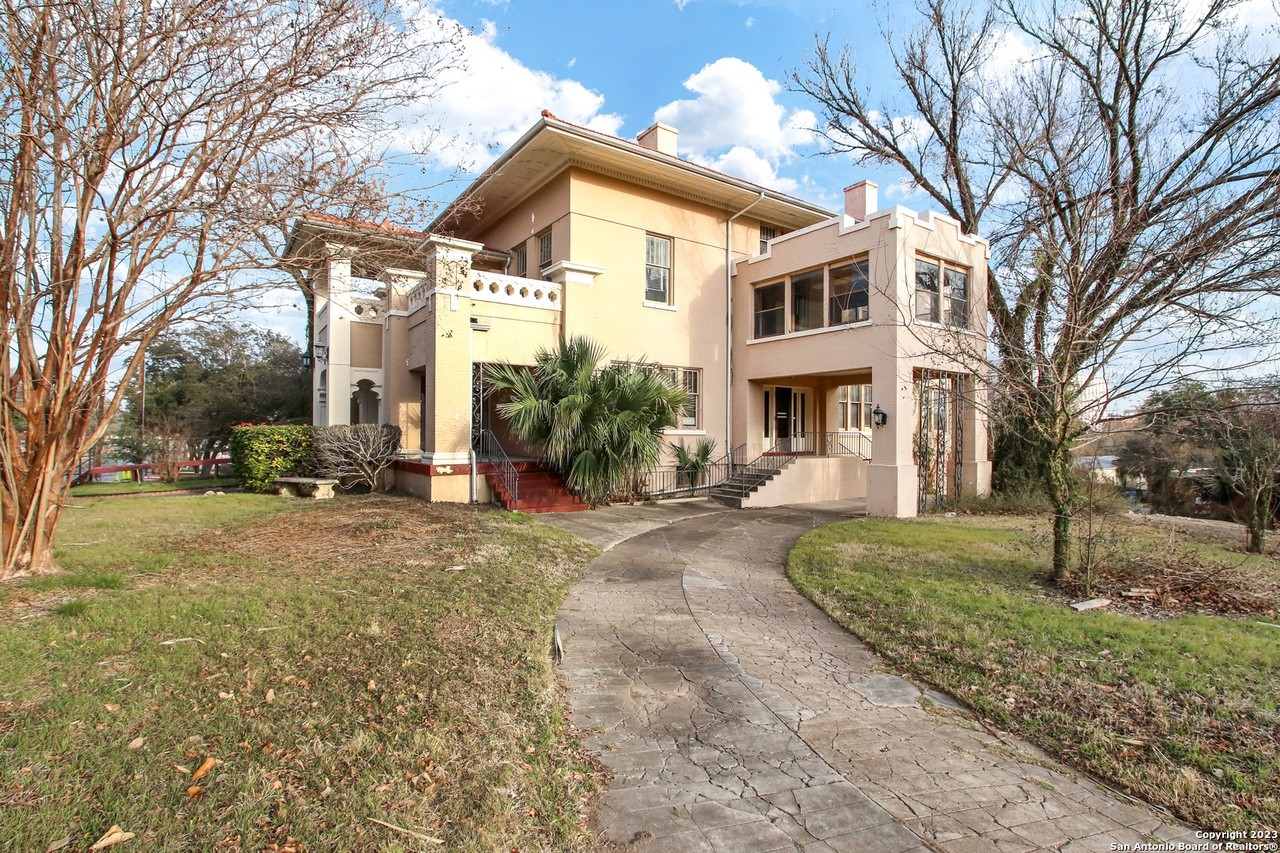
[{"x": 790, "y": 419}]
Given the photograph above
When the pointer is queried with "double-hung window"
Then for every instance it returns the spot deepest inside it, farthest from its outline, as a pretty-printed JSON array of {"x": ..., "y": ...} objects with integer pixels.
[
  {"x": 854, "y": 406},
  {"x": 657, "y": 269},
  {"x": 849, "y": 297},
  {"x": 767, "y": 233},
  {"x": 689, "y": 379},
  {"x": 957, "y": 292},
  {"x": 928, "y": 292},
  {"x": 521, "y": 255},
  {"x": 942, "y": 293},
  {"x": 544, "y": 249}
]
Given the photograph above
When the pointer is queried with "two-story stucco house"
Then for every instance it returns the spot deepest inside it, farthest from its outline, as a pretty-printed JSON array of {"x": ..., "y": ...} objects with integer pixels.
[{"x": 814, "y": 337}]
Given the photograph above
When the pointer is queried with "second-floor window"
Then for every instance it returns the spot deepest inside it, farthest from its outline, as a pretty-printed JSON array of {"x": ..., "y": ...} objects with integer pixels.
[
  {"x": 544, "y": 249},
  {"x": 835, "y": 295},
  {"x": 770, "y": 310},
  {"x": 849, "y": 296},
  {"x": 657, "y": 269},
  {"x": 806, "y": 301},
  {"x": 521, "y": 255},
  {"x": 942, "y": 293},
  {"x": 767, "y": 233}
]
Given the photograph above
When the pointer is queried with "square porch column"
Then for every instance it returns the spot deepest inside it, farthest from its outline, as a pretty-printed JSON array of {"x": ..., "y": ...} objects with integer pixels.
[
  {"x": 975, "y": 473},
  {"x": 891, "y": 477},
  {"x": 447, "y": 345}
]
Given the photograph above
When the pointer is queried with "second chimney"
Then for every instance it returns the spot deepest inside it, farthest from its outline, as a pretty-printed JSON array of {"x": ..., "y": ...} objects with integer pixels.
[
  {"x": 659, "y": 137},
  {"x": 860, "y": 200}
]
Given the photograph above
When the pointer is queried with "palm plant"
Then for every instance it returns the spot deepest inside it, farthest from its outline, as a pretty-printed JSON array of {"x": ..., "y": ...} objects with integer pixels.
[
  {"x": 693, "y": 464},
  {"x": 599, "y": 425}
]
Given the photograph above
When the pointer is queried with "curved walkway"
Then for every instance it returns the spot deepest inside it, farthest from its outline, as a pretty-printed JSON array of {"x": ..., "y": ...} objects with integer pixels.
[{"x": 735, "y": 716}]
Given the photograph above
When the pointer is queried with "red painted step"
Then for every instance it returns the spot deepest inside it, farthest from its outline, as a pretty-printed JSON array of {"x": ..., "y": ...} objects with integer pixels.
[{"x": 540, "y": 491}]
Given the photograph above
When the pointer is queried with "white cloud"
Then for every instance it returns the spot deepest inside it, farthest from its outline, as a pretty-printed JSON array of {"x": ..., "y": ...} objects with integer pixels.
[
  {"x": 736, "y": 124},
  {"x": 750, "y": 22},
  {"x": 490, "y": 100}
]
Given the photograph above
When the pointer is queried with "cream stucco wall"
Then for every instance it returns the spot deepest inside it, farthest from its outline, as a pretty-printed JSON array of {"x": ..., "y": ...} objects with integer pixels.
[{"x": 885, "y": 350}]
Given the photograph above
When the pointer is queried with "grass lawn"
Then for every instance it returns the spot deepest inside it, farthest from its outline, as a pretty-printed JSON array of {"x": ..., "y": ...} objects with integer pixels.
[
  {"x": 245, "y": 672},
  {"x": 1181, "y": 711},
  {"x": 134, "y": 487}
]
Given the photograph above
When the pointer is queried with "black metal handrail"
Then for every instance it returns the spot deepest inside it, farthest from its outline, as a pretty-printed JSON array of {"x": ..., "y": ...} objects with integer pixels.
[
  {"x": 490, "y": 449},
  {"x": 669, "y": 481},
  {"x": 787, "y": 450}
]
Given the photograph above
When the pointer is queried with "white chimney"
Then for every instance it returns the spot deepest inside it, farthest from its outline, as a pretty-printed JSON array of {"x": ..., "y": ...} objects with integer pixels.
[
  {"x": 659, "y": 137},
  {"x": 860, "y": 200}
]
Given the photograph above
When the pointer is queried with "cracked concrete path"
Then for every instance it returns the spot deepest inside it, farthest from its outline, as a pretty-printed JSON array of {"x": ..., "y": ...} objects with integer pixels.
[{"x": 735, "y": 716}]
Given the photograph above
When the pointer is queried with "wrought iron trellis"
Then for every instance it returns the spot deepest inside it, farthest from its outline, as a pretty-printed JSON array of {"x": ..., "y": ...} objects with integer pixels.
[
  {"x": 939, "y": 439},
  {"x": 478, "y": 393}
]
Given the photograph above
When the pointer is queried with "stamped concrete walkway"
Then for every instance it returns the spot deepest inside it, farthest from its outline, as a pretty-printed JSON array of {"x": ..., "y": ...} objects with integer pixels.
[{"x": 735, "y": 716}]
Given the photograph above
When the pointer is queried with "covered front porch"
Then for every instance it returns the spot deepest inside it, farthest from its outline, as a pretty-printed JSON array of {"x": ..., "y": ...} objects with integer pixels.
[{"x": 904, "y": 443}]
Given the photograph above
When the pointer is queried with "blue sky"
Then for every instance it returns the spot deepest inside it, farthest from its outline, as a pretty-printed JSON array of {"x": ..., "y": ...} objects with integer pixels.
[{"x": 717, "y": 70}]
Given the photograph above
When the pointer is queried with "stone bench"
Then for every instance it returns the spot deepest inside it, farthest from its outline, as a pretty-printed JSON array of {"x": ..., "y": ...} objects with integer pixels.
[{"x": 316, "y": 488}]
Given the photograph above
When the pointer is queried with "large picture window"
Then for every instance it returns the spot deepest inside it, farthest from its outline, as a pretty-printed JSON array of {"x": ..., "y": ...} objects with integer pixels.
[
  {"x": 770, "y": 310},
  {"x": 657, "y": 269},
  {"x": 849, "y": 297},
  {"x": 806, "y": 301}
]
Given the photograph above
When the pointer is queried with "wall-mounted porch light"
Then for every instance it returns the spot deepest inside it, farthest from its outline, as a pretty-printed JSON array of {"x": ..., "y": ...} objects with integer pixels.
[{"x": 879, "y": 416}]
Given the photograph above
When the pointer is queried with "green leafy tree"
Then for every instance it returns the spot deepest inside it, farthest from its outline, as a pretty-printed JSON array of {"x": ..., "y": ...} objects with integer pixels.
[
  {"x": 1177, "y": 436},
  {"x": 203, "y": 380},
  {"x": 600, "y": 425}
]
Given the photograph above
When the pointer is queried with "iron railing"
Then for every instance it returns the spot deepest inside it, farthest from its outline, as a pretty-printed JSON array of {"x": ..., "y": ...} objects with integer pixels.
[
  {"x": 489, "y": 449},
  {"x": 823, "y": 444},
  {"x": 750, "y": 475},
  {"x": 668, "y": 481}
]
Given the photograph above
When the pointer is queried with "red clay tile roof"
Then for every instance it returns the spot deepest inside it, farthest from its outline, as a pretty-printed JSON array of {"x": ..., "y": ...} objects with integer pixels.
[{"x": 364, "y": 225}]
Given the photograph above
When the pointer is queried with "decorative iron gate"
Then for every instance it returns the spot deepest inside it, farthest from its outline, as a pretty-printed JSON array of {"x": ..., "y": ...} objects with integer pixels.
[{"x": 939, "y": 439}]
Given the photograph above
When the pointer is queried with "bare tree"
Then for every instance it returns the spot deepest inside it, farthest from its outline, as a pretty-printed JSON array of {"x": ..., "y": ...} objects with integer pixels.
[
  {"x": 1246, "y": 434},
  {"x": 357, "y": 454},
  {"x": 147, "y": 146},
  {"x": 1127, "y": 173}
]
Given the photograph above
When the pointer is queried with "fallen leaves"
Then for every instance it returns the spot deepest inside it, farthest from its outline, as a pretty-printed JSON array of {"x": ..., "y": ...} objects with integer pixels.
[
  {"x": 204, "y": 768},
  {"x": 113, "y": 836},
  {"x": 136, "y": 743}
]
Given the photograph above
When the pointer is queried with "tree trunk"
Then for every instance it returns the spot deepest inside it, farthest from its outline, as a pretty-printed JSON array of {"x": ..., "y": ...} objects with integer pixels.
[
  {"x": 32, "y": 504},
  {"x": 1258, "y": 513},
  {"x": 1061, "y": 496}
]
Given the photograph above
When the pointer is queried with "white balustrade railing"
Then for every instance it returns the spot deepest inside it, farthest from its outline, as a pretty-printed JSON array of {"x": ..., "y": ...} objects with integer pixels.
[{"x": 495, "y": 287}]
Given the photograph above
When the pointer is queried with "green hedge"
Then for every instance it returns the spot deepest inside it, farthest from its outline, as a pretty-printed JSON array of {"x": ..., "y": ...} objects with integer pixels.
[{"x": 262, "y": 453}]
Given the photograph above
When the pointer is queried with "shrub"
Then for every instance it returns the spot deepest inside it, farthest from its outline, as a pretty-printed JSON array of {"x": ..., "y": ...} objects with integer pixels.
[
  {"x": 262, "y": 453},
  {"x": 358, "y": 454}
]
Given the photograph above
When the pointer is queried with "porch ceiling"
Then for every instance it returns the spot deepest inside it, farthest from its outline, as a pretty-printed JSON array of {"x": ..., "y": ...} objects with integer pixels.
[{"x": 846, "y": 376}]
